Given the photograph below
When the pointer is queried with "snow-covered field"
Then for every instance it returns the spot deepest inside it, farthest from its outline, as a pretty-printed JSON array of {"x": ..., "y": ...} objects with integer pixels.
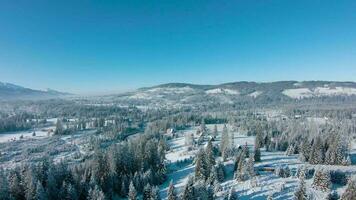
[{"x": 12, "y": 136}]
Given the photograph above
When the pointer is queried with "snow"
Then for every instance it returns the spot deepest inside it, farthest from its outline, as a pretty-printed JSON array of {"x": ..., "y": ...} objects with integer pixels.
[
  {"x": 255, "y": 94},
  {"x": 300, "y": 93},
  {"x": 222, "y": 91},
  {"x": 12, "y": 136},
  {"x": 177, "y": 90},
  {"x": 267, "y": 182}
]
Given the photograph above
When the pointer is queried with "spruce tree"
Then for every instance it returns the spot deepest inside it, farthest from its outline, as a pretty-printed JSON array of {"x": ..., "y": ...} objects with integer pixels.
[
  {"x": 188, "y": 191},
  {"x": 350, "y": 192},
  {"x": 132, "y": 192},
  {"x": 215, "y": 131},
  {"x": 300, "y": 193},
  {"x": 257, "y": 154},
  {"x": 40, "y": 192},
  {"x": 155, "y": 193},
  {"x": 147, "y": 192},
  {"x": 201, "y": 166},
  {"x": 96, "y": 194},
  {"x": 210, "y": 159},
  {"x": 322, "y": 180},
  {"x": 171, "y": 193}
]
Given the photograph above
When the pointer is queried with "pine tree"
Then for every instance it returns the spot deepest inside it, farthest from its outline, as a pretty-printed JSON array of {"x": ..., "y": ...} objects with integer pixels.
[
  {"x": 215, "y": 131},
  {"x": 59, "y": 128},
  {"x": 4, "y": 188},
  {"x": 300, "y": 193},
  {"x": 188, "y": 191},
  {"x": 171, "y": 192},
  {"x": 155, "y": 193},
  {"x": 40, "y": 192},
  {"x": 322, "y": 180},
  {"x": 317, "y": 152},
  {"x": 132, "y": 192},
  {"x": 201, "y": 166},
  {"x": 147, "y": 192},
  {"x": 257, "y": 154},
  {"x": 210, "y": 159},
  {"x": 250, "y": 166},
  {"x": 30, "y": 183},
  {"x": 96, "y": 194},
  {"x": 350, "y": 192},
  {"x": 220, "y": 171},
  {"x": 224, "y": 144}
]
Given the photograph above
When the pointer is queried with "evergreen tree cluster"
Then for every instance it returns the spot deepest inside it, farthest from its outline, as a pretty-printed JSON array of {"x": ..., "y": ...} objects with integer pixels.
[{"x": 124, "y": 169}]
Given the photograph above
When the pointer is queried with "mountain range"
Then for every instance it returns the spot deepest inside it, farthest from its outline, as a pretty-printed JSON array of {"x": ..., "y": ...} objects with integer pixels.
[
  {"x": 184, "y": 93},
  {"x": 9, "y": 91}
]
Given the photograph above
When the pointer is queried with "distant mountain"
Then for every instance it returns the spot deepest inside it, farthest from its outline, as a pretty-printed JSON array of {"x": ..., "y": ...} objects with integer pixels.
[
  {"x": 10, "y": 91},
  {"x": 176, "y": 94}
]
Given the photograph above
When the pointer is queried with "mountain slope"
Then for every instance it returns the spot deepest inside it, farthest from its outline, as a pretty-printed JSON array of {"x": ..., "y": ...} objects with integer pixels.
[
  {"x": 10, "y": 91},
  {"x": 182, "y": 93}
]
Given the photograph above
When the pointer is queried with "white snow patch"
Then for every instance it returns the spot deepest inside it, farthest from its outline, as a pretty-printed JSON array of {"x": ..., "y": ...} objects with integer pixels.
[
  {"x": 222, "y": 91},
  {"x": 300, "y": 93},
  {"x": 255, "y": 94}
]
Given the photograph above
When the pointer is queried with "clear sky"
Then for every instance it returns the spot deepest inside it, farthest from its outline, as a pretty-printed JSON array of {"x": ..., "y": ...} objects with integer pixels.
[{"x": 102, "y": 46}]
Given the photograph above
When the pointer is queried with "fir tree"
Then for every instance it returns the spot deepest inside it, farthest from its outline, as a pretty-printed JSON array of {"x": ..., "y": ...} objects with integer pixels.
[
  {"x": 96, "y": 194},
  {"x": 210, "y": 159},
  {"x": 155, "y": 193},
  {"x": 215, "y": 131},
  {"x": 40, "y": 192},
  {"x": 171, "y": 193},
  {"x": 300, "y": 193},
  {"x": 147, "y": 192},
  {"x": 257, "y": 154},
  {"x": 188, "y": 191},
  {"x": 132, "y": 192},
  {"x": 201, "y": 166},
  {"x": 321, "y": 180},
  {"x": 350, "y": 192}
]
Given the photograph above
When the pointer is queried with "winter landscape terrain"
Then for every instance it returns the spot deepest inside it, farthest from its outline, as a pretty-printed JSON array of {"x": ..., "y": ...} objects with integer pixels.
[{"x": 242, "y": 140}]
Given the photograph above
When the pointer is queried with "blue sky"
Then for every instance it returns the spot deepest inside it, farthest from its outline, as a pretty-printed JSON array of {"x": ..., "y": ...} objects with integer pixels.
[{"x": 104, "y": 46}]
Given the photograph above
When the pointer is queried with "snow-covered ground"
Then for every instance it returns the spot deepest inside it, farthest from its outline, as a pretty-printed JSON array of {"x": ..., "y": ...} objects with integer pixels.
[
  {"x": 13, "y": 136},
  {"x": 222, "y": 91},
  {"x": 266, "y": 183},
  {"x": 300, "y": 93}
]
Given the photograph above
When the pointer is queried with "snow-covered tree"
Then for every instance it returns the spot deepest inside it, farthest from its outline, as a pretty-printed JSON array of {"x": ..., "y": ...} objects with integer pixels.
[
  {"x": 188, "y": 190},
  {"x": 210, "y": 159},
  {"x": 147, "y": 192},
  {"x": 300, "y": 193},
  {"x": 350, "y": 192},
  {"x": 96, "y": 194},
  {"x": 171, "y": 193},
  {"x": 257, "y": 154},
  {"x": 155, "y": 193},
  {"x": 215, "y": 131},
  {"x": 225, "y": 140},
  {"x": 132, "y": 192},
  {"x": 201, "y": 166},
  {"x": 40, "y": 192},
  {"x": 322, "y": 180}
]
